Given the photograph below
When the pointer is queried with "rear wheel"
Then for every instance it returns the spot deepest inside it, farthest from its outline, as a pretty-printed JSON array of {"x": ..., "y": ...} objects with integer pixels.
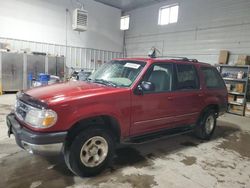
[
  {"x": 90, "y": 152},
  {"x": 206, "y": 125}
]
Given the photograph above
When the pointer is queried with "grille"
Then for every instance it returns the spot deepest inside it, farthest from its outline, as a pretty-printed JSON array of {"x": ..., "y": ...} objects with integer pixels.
[{"x": 82, "y": 19}]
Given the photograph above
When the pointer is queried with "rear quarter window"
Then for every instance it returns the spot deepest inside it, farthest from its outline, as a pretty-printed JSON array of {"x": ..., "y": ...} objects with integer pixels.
[{"x": 212, "y": 78}]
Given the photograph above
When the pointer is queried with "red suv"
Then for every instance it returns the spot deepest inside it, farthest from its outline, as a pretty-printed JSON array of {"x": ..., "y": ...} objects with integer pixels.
[{"x": 125, "y": 100}]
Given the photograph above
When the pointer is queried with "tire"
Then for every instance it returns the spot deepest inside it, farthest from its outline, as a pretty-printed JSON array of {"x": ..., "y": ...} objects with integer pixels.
[
  {"x": 90, "y": 152},
  {"x": 206, "y": 125}
]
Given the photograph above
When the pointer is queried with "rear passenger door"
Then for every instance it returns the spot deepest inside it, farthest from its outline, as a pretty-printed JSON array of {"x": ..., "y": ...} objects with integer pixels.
[{"x": 187, "y": 94}]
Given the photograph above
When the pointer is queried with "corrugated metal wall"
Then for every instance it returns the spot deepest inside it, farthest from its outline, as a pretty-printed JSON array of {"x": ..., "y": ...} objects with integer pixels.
[
  {"x": 77, "y": 57},
  {"x": 203, "y": 29}
]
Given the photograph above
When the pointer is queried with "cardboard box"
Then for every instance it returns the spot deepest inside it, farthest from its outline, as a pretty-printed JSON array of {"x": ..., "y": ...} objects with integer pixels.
[
  {"x": 239, "y": 88},
  {"x": 228, "y": 87},
  {"x": 230, "y": 98},
  {"x": 247, "y": 110},
  {"x": 240, "y": 99},
  {"x": 243, "y": 60},
  {"x": 5, "y": 46},
  {"x": 223, "y": 57},
  {"x": 236, "y": 109},
  {"x": 248, "y": 106}
]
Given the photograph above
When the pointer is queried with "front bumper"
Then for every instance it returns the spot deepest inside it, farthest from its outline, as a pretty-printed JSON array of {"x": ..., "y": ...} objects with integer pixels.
[{"x": 35, "y": 142}]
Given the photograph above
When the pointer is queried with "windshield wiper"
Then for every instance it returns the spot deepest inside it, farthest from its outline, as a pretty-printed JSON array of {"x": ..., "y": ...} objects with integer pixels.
[{"x": 105, "y": 82}]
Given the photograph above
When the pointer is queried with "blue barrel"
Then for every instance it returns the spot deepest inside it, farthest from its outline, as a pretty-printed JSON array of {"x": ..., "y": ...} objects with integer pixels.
[
  {"x": 44, "y": 78},
  {"x": 30, "y": 78}
]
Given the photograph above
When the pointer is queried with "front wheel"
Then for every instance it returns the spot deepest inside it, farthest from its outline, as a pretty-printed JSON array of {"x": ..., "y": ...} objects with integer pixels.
[
  {"x": 90, "y": 152},
  {"x": 206, "y": 125}
]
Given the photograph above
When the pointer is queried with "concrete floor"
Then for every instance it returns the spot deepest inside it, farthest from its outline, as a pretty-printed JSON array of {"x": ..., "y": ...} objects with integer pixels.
[{"x": 180, "y": 161}]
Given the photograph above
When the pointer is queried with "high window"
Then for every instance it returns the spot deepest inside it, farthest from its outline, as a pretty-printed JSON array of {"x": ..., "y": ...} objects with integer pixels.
[
  {"x": 124, "y": 24},
  {"x": 168, "y": 14}
]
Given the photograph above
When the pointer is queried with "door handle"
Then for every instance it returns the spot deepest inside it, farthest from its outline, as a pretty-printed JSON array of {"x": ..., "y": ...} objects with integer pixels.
[
  {"x": 200, "y": 95},
  {"x": 170, "y": 98}
]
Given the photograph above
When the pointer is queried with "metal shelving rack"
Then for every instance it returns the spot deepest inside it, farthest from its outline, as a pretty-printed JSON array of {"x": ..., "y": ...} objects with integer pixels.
[{"x": 229, "y": 75}]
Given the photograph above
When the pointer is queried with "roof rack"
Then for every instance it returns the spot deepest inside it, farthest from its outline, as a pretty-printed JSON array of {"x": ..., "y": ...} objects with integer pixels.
[
  {"x": 179, "y": 58},
  {"x": 193, "y": 60},
  {"x": 174, "y": 57}
]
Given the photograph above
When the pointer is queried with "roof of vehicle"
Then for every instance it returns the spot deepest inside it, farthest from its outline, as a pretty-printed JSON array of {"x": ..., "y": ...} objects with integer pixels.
[{"x": 175, "y": 60}]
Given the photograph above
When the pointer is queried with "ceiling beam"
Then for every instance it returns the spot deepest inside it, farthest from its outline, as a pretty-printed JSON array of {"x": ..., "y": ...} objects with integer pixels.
[
  {"x": 132, "y": 6},
  {"x": 109, "y": 4}
]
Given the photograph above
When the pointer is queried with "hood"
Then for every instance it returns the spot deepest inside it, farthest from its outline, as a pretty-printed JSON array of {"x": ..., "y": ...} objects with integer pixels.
[{"x": 62, "y": 91}]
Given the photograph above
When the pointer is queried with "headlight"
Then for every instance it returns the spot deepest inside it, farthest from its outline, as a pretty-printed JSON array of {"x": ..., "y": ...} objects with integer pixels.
[{"x": 40, "y": 118}]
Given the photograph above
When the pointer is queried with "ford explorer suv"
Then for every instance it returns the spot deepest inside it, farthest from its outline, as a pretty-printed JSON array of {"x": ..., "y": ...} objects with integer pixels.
[{"x": 124, "y": 101}]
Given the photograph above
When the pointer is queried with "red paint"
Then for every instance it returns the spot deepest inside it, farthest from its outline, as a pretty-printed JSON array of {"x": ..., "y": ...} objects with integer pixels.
[{"x": 136, "y": 114}]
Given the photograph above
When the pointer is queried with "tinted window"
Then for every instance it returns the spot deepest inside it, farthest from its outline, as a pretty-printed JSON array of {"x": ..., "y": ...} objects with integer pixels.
[
  {"x": 161, "y": 76},
  {"x": 186, "y": 77},
  {"x": 212, "y": 78}
]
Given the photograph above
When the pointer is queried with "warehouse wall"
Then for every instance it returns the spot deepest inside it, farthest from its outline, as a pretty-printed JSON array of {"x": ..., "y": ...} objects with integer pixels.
[
  {"x": 45, "y": 21},
  {"x": 203, "y": 29}
]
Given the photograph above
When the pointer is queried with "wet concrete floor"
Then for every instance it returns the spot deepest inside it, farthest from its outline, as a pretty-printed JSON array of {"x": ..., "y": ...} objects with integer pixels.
[{"x": 179, "y": 161}]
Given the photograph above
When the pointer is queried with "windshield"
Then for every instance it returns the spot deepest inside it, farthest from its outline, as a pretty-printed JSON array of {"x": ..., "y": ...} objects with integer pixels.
[{"x": 117, "y": 73}]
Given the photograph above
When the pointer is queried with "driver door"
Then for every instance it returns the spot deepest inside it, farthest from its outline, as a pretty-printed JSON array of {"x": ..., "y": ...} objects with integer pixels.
[{"x": 154, "y": 110}]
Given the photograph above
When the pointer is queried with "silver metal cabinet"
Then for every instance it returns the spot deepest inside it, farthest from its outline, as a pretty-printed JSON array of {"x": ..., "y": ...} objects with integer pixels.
[
  {"x": 60, "y": 64},
  {"x": 12, "y": 71},
  {"x": 51, "y": 65},
  {"x": 35, "y": 64},
  {"x": 56, "y": 66},
  {"x": 15, "y": 68}
]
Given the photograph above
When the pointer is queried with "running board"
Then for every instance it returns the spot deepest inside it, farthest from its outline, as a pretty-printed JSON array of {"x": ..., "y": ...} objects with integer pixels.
[{"x": 158, "y": 135}]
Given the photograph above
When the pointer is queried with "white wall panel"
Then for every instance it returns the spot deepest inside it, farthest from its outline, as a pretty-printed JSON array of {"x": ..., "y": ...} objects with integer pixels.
[
  {"x": 77, "y": 57},
  {"x": 203, "y": 29},
  {"x": 45, "y": 21}
]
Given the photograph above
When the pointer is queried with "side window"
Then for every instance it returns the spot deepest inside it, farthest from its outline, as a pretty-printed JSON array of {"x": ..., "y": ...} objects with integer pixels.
[
  {"x": 161, "y": 76},
  {"x": 186, "y": 77},
  {"x": 212, "y": 78}
]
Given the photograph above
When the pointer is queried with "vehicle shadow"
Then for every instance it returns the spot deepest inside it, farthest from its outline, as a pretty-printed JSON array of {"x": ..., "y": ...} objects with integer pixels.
[{"x": 141, "y": 154}]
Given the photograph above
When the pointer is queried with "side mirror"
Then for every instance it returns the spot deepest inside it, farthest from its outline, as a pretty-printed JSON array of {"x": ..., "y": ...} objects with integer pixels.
[
  {"x": 144, "y": 86},
  {"x": 147, "y": 86}
]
